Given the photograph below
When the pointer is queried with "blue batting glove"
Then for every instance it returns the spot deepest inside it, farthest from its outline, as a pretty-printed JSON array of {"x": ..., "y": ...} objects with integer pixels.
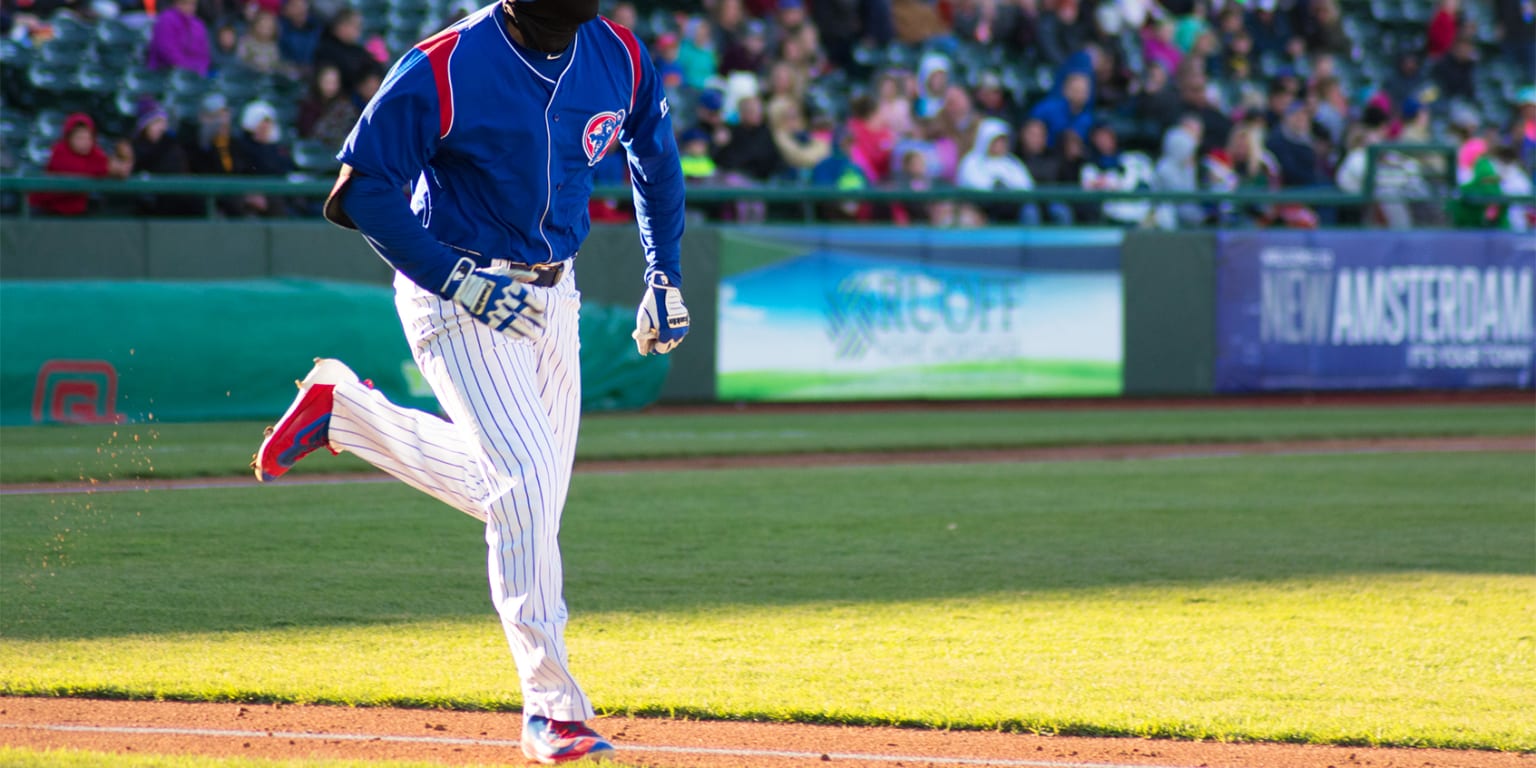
[{"x": 499, "y": 298}]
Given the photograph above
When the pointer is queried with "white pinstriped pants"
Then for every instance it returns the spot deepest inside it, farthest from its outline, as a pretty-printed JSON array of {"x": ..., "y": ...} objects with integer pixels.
[{"x": 505, "y": 458}]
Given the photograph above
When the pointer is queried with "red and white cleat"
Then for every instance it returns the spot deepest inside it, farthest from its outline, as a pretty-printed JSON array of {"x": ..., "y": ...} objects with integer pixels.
[
  {"x": 306, "y": 424},
  {"x": 559, "y": 741}
]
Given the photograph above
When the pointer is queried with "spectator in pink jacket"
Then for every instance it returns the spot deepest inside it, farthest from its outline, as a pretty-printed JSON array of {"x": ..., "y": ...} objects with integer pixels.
[{"x": 180, "y": 40}]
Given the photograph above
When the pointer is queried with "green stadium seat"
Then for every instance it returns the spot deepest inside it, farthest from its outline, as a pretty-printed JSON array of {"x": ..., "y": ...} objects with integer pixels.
[
  {"x": 91, "y": 79},
  {"x": 38, "y": 149},
  {"x": 140, "y": 80},
  {"x": 49, "y": 76},
  {"x": 70, "y": 31},
  {"x": 120, "y": 40},
  {"x": 315, "y": 157},
  {"x": 14, "y": 54}
]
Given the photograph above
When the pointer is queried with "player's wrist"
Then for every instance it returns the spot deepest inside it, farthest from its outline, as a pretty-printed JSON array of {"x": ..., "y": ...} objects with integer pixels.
[
  {"x": 660, "y": 276},
  {"x": 457, "y": 278}
]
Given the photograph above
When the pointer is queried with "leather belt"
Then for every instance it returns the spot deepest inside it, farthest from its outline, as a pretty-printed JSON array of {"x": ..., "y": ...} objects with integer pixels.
[{"x": 549, "y": 273}]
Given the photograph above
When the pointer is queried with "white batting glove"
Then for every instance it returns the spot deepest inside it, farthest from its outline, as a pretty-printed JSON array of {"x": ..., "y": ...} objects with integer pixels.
[
  {"x": 662, "y": 321},
  {"x": 499, "y": 298}
]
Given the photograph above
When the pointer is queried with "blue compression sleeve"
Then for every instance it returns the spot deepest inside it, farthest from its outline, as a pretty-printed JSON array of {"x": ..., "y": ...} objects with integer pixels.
[
  {"x": 656, "y": 176},
  {"x": 384, "y": 216}
]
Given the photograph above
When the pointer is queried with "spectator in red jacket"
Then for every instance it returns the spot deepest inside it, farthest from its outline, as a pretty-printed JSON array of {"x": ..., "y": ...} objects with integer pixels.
[
  {"x": 873, "y": 140},
  {"x": 179, "y": 40},
  {"x": 76, "y": 154},
  {"x": 1442, "y": 29}
]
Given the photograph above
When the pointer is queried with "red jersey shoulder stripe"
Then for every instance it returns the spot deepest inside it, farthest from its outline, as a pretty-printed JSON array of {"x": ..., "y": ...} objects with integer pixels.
[
  {"x": 632, "y": 44},
  {"x": 439, "y": 51}
]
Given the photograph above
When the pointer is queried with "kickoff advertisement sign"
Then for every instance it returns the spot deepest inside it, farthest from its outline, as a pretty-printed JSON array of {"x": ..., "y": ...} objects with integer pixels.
[
  {"x": 1374, "y": 310},
  {"x": 854, "y": 313}
]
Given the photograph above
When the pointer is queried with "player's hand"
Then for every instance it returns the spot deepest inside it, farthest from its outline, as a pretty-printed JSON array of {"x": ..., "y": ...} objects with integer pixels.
[
  {"x": 501, "y": 299},
  {"x": 662, "y": 321}
]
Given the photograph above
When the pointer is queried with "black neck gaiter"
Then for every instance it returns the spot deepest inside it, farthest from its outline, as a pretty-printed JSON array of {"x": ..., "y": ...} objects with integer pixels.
[{"x": 549, "y": 25}]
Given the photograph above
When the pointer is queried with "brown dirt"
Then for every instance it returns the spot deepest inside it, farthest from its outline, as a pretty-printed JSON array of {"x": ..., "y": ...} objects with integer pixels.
[
  {"x": 475, "y": 738},
  {"x": 289, "y": 732}
]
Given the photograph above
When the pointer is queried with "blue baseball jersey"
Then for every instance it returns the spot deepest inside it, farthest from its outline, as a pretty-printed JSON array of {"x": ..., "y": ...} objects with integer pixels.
[{"x": 499, "y": 143}]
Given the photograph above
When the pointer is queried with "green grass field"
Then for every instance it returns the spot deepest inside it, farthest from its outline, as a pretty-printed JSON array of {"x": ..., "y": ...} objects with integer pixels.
[
  {"x": 75, "y": 453},
  {"x": 1363, "y": 599}
]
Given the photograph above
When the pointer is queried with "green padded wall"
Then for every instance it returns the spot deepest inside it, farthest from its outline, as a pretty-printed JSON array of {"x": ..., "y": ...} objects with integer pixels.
[
  {"x": 609, "y": 272},
  {"x": 1170, "y": 312}
]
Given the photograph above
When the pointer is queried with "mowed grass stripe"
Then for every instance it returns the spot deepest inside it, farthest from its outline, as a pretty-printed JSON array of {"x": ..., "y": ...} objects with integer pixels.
[
  {"x": 80, "y": 453},
  {"x": 1375, "y": 599}
]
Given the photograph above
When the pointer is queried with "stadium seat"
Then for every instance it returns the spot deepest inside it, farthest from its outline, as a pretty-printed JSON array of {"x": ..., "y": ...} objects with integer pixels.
[
  {"x": 899, "y": 56},
  {"x": 315, "y": 157},
  {"x": 14, "y": 54},
  {"x": 140, "y": 80},
  {"x": 49, "y": 76},
  {"x": 115, "y": 34},
  {"x": 401, "y": 40},
  {"x": 70, "y": 31},
  {"x": 13, "y": 126},
  {"x": 185, "y": 81},
  {"x": 373, "y": 9},
  {"x": 39, "y": 149},
  {"x": 405, "y": 19},
  {"x": 659, "y": 20},
  {"x": 1014, "y": 85},
  {"x": 1044, "y": 79},
  {"x": 90, "y": 78}
]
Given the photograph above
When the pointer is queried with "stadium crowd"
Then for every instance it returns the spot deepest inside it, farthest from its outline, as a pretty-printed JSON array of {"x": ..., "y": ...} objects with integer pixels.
[{"x": 1127, "y": 95}]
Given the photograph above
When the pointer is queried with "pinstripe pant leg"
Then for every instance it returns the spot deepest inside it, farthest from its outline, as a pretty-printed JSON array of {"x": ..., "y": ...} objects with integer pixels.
[
  {"x": 419, "y": 448},
  {"x": 517, "y": 404}
]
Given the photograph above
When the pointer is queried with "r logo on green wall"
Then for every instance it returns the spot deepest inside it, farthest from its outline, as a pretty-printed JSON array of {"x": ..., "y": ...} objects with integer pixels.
[{"x": 76, "y": 392}]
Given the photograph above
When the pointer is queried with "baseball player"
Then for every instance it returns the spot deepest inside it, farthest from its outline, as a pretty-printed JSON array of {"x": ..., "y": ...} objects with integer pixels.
[{"x": 495, "y": 125}]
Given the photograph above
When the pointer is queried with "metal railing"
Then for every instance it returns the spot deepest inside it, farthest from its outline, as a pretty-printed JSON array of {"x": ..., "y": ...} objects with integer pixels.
[{"x": 211, "y": 188}]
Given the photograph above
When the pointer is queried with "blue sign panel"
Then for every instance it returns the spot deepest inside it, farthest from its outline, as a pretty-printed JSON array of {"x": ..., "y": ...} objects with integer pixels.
[{"x": 1374, "y": 310}]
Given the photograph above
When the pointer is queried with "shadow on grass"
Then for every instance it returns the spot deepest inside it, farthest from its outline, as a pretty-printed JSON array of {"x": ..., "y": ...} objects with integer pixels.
[{"x": 265, "y": 557}]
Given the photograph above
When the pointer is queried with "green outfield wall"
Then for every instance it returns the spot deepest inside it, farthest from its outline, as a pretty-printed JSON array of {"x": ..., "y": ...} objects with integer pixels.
[
  {"x": 200, "y": 290},
  {"x": 209, "y": 350}
]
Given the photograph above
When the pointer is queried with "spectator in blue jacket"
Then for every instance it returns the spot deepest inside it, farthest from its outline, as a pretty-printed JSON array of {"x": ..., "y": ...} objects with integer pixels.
[
  {"x": 1291, "y": 145},
  {"x": 299, "y": 34},
  {"x": 1067, "y": 110}
]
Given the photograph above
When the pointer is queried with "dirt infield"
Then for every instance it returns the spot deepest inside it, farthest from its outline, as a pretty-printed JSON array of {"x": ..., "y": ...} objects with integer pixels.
[
  {"x": 477, "y": 738},
  {"x": 470, "y": 738}
]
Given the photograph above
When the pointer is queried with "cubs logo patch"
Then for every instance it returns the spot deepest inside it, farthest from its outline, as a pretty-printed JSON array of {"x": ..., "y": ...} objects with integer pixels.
[{"x": 600, "y": 134}]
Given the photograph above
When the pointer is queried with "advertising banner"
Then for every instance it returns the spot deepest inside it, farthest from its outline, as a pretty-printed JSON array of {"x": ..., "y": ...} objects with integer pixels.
[
  {"x": 1374, "y": 310},
  {"x": 853, "y": 313}
]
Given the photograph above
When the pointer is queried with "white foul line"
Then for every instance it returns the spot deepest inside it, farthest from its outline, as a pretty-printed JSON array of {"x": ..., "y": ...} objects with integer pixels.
[{"x": 622, "y": 746}]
